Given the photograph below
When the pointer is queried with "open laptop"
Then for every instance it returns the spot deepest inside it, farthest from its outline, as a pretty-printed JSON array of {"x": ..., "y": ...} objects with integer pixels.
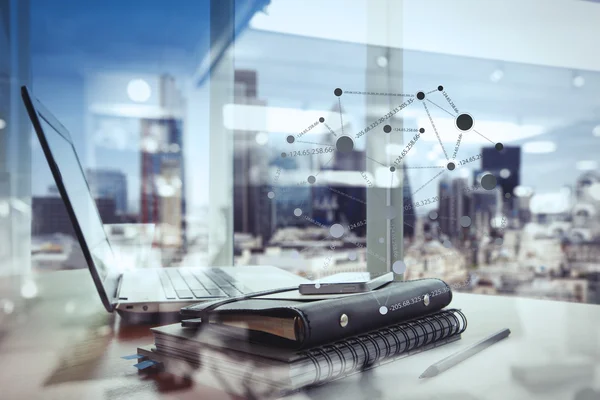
[{"x": 142, "y": 292}]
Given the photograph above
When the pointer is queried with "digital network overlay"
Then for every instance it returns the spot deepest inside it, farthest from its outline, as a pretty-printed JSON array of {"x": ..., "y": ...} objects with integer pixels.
[{"x": 345, "y": 143}]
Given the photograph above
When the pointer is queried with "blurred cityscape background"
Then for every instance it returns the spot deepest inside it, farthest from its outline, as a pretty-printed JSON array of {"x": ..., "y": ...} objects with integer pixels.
[{"x": 137, "y": 109}]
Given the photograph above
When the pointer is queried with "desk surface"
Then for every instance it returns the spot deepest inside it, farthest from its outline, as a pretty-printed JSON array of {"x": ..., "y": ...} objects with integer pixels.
[{"x": 62, "y": 344}]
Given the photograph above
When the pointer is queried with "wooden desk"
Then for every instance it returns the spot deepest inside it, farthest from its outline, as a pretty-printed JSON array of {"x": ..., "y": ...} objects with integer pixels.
[{"x": 63, "y": 345}]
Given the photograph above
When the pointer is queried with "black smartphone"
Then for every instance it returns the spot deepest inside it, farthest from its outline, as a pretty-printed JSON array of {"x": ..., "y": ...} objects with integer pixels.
[{"x": 346, "y": 287}]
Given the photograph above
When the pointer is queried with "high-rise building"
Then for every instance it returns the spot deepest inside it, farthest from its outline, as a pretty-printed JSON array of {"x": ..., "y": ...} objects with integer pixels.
[
  {"x": 445, "y": 205},
  {"x": 485, "y": 205},
  {"x": 254, "y": 211},
  {"x": 409, "y": 216},
  {"x": 505, "y": 165},
  {"x": 454, "y": 203},
  {"x": 460, "y": 206},
  {"x": 110, "y": 184},
  {"x": 162, "y": 194}
]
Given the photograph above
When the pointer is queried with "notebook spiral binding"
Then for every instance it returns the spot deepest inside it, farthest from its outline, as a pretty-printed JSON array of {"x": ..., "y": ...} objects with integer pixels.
[{"x": 332, "y": 361}]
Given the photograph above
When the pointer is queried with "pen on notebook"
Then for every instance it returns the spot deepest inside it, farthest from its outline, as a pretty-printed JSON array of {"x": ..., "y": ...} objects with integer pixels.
[{"x": 463, "y": 354}]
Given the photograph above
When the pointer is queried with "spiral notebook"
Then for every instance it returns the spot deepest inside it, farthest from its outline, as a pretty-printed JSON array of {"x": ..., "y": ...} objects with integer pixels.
[{"x": 215, "y": 354}]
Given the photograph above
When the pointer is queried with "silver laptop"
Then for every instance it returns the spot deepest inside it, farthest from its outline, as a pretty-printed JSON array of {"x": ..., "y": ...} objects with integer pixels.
[{"x": 145, "y": 291}]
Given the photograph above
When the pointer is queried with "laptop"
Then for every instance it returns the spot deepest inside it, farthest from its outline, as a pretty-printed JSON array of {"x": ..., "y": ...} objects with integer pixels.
[{"x": 135, "y": 293}]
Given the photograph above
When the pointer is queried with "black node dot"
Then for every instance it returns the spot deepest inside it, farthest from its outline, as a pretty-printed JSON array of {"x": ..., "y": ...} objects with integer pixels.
[
  {"x": 344, "y": 144},
  {"x": 311, "y": 179},
  {"x": 420, "y": 95},
  {"x": 464, "y": 122},
  {"x": 422, "y": 130},
  {"x": 488, "y": 181},
  {"x": 392, "y": 168},
  {"x": 451, "y": 166},
  {"x": 291, "y": 139},
  {"x": 283, "y": 155},
  {"x": 321, "y": 119},
  {"x": 337, "y": 92},
  {"x": 440, "y": 88},
  {"x": 499, "y": 146},
  {"x": 387, "y": 128}
]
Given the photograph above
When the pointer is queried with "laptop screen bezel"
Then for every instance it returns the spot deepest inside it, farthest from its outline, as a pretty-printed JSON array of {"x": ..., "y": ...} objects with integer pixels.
[{"x": 107, "y": 288}]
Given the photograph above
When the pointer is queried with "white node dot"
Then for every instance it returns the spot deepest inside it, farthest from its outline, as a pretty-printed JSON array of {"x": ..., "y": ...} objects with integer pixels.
[
  {"x": 399, "y": 267},
  {"x": 352, "y": 256},
  {"x": 383, "y": 310},
  {"x": 8, "y": 307},
  {"x": 381, "y": 240},
  {"x": 271, "y": 195},
  {"x": 297, "y": 212},
  {"x": 317, "y": 285},
  {"x": 336, "y": 230},
  {"x": 261, "y": 138},
  {"x": 139, "y": 90},
  {"x": 29, "y": 290}
]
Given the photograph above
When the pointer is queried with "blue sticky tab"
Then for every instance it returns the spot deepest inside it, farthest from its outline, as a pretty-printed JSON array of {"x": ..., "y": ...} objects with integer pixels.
[
  {"x": 145, "y": 364},
  {"x": 133, "y": 357}
]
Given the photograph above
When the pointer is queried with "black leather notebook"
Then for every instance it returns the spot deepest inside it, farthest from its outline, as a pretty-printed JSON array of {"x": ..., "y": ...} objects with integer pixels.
[
  {"x": 304, "y": 324},
  {"x": 213, "y": 354}
]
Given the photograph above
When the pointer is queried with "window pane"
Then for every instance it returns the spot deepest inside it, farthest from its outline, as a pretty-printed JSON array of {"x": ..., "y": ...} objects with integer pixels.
[{"x": 120, "y": 78}]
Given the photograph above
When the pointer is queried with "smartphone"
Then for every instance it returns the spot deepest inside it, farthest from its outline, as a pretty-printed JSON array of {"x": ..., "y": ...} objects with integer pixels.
[{"x": 346, "y": 287}]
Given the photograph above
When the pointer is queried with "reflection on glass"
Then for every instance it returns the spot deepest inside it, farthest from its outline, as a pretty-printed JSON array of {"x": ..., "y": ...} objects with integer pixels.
[{"x": 79, "y": 195}]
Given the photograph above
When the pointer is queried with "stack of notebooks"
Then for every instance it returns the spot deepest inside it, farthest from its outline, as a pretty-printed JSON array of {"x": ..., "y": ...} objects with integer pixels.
[{"x": 266, "y": 347}]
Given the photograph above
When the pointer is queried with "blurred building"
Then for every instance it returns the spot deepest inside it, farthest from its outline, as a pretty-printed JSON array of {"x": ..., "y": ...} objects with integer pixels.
[
  {"x": 453, "y": 204},
  {"x": 162, "y": 197},
  {"x": 109, "y": 184},
  {"x": 505, "y": 165},
  {"x": 445, "y": 206},
  {"x": 254, "y": 211},
  {"x": 460, "y": 206},
  {"x": 409, "y": 216},
  {"x": 431, "y": 259},
  {"x": 49, "y": 215},
  {"x": 485, "y": 205}
]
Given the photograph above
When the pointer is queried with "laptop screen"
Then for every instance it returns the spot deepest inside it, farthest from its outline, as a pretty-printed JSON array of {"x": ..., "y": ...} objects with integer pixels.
[{"x": 82, "y": 202}]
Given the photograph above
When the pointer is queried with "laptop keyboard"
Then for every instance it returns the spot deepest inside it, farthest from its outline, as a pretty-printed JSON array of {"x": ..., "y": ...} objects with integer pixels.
[{"x": 188, "y": 284}]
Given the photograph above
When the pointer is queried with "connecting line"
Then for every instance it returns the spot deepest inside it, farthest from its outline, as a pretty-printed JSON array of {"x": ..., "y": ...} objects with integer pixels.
[
  {"x": 347, "y": 195},
  {"x": 325, "y": 164},
  {"x": 320, "y": 144},
  {"x": 428, "y": 182},
  {"x": 431, "y": 91},
  {"x": 330, "y": 130},
  {"x": 379, "y": 93},
  {"x": 374, "y": 160},
  {"x": 412, "y": 167},
  {"x": 406, "y": 223},
  {"x": 441, "y": 108},
  {"x": 482, "y": 136},
  {"x": 435, "y": 130},
  {"x": 341, "y": 120},
  {"x": 312, "y": 247}
]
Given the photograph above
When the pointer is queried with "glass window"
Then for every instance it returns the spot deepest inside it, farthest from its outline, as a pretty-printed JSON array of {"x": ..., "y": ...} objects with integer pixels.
[
  {"x": 478, "y": 165},
  {"x": 120, "y": 78}
]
